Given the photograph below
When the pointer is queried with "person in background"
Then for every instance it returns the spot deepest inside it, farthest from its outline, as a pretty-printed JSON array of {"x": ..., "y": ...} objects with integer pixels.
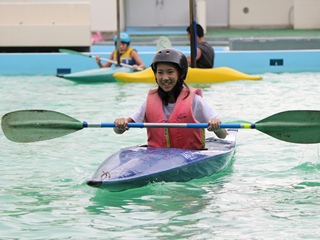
[
  {"x": 205, "y": 52},
  {"x": 173, "y": 102},
  {"x": 128, "y": 55}
]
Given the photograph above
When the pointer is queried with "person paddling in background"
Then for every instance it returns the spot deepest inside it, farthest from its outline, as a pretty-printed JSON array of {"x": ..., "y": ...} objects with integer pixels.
[
  {"x": 205, "y": 52},
  {"x": 173, "y": 102},
  {"x": 128, "y": 55}
]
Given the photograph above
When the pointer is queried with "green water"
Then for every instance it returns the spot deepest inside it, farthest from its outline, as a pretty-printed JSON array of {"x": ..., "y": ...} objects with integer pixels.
[{"x": 270, "y": 191}]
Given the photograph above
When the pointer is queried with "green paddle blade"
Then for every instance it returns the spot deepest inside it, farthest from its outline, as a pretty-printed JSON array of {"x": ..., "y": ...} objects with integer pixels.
[
  {"x": 73, "y": 52},
  {"x": 37, "y": 125},
  {"x": 300, "y": 126},
  {"x": 163, "y": 42}
]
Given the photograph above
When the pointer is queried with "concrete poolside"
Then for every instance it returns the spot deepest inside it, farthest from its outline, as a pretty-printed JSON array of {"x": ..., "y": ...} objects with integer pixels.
[{"x": 225, "y": 37}]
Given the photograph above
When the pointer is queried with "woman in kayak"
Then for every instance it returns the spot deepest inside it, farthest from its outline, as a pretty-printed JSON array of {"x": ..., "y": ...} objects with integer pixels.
[
  {"x": 128, "y": 55},
  {"x": 173, "y": 102}
]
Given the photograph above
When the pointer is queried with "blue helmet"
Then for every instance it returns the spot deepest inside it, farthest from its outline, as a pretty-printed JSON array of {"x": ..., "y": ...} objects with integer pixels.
[{"x": 124, "y": 37}]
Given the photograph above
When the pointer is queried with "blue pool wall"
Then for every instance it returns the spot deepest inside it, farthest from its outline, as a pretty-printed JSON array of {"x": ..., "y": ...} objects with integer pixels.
[{"x": 251, "y": 62}]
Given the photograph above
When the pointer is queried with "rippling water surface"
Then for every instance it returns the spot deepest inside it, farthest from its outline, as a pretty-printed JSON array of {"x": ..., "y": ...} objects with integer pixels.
[{"x": 270, "y": 191}]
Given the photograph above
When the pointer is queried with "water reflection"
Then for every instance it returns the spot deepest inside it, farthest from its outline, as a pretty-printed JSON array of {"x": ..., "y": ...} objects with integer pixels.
[{"x": 186, "y": 198}]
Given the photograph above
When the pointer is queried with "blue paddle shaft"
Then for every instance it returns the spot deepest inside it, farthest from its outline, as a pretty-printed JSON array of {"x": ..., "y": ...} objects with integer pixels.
[{"x": 168, "y": 125}]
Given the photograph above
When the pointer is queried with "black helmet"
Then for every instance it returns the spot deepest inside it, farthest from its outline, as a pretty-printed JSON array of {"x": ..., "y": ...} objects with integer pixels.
[{"x": 170, "y": 55}]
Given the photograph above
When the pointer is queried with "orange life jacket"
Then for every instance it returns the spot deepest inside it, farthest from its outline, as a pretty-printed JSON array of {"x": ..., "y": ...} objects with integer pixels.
[{"x": 186, "y": 138}]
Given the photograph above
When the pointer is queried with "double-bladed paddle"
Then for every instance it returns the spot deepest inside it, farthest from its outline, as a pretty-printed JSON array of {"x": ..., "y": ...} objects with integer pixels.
[
  {"x": 91, "y": 56},
  {"x": 298, "y": 126},
  {"x": 163, "y": 42}
]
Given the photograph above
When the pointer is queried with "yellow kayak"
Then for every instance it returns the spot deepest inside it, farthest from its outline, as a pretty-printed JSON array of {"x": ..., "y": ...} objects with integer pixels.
[{"x": 195, "y": 75}]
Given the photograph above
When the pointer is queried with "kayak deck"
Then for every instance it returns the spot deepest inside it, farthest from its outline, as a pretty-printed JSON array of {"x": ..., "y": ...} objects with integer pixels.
[
  {"x": 137, "y": 166},
  {"x": 99, "y": 75},
  {"x": 195, "y": 75}
]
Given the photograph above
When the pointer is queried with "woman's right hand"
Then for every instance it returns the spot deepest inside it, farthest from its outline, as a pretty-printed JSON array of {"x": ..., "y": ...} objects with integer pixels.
[
  {"x": 98, "y": 59},
  {"x": 121, "y": 125}
]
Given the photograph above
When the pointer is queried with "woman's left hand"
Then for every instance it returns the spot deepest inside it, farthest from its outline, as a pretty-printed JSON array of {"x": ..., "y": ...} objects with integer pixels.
[{"x": 214, "y": 124}]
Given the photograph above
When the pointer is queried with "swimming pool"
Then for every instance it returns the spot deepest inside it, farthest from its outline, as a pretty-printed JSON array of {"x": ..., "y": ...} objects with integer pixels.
[{"x": 270, "y": 191}]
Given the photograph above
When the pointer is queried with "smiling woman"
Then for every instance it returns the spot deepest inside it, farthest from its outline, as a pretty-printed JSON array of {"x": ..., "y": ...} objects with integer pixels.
[
  {"x": 167, "y": 76},
  {"x": 172, "y": 98}
]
